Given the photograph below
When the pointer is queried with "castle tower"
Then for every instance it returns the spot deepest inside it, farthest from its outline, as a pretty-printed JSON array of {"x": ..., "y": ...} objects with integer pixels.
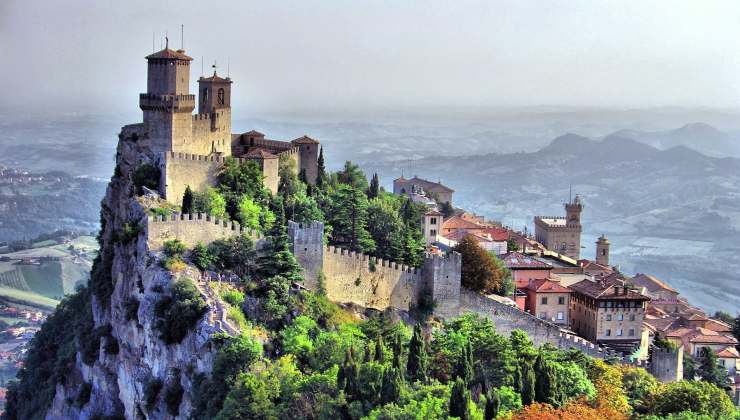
[
  {"x": 602, "y": 250},
  {"x": 215, "y": 94},
  {"x": 167, "y": 103},
  {"x": 308, "y": 150},
  {"x": 573, "y": 212},
  {"x": 269, "y": 164},
  {"x": 431, "y": 225}
]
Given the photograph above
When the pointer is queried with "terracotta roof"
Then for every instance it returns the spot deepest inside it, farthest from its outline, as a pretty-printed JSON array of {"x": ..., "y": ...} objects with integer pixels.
[
  {"x": 458, "y": 235},
  {"x": 593, "y": 265},
  {"x": 605, "y": 289},
  {"x": 433, "y": 213},
  {"x": 652, "y": 283},
  {"x": 258, "y": 153},
  {"x": 712, "y": 338},
  {"x": 514, "y": 260},
  {"x": 253, "y": 133},
  {"x": 427, "y": 184},
  {"x": 304, "y": 140},
  {"x": 168, "y": 54},
  {"x": 728, "y": 352},
  {"x": 457, "y": 222},
  {"x": 498, "y": 234},
  {"x": 215, "y": 78},
  {"x": 547, "y": 286}
]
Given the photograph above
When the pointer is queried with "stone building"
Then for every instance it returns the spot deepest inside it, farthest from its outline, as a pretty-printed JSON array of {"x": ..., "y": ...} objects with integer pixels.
[
  {"x": 416, "y": 185},
  {"x": 547, "y": 299},
  {"x": 192, "y": 148},
  {"x": 431, "y": 225},
  {"x": 562, "y": 234},
  {"x": 602, "y": 250},
  {"x": 608, "y": 312}
]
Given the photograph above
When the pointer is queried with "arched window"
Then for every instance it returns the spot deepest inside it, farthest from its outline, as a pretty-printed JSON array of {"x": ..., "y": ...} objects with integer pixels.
[
  {"x": 205, "y": 95},
  {"x": 221, "y": 96}
]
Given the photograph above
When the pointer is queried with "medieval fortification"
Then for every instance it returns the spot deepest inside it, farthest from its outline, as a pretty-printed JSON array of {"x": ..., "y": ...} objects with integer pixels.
[{"x": 192, "y": 149}]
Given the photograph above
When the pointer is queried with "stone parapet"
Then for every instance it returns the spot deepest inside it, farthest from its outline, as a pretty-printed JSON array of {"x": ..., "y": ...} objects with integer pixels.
[{"x": 191, "y": 229}]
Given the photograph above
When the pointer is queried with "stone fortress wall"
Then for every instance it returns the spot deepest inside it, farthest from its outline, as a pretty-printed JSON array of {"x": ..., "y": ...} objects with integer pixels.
[
  {"x": 180, "y": 170},
  {"x": 192, "y": 229}
]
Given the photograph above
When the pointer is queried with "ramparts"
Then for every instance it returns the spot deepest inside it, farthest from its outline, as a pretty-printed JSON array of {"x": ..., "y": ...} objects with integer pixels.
[
  {"x": 192, "y": 229},
  {"x": 368, "y": 281},
  {"x": 180, "y": 170}
]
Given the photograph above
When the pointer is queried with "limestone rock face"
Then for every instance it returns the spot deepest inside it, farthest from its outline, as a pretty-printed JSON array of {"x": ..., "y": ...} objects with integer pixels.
[{"x": 118, "y": 379}]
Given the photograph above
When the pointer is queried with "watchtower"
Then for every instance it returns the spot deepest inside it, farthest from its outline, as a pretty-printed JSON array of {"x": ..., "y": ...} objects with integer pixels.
[
  {"x": 602, "y": 250},
  {"x": 167, "y": 103},
  {"x": 215, "y": 93},
  {"x": 573, "y": 212}
]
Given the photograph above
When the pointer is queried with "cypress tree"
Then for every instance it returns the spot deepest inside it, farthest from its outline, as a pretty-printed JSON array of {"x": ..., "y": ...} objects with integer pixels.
[
  {"x": 391, "y": 388},
  {"x": 368, "y": 352},
  {"x": 546, "y": 387},
  {"x": 517, "y": 378},
  {"x": 379, "y": 350},
  {"x": 493, "y": 405},
  {"x": 348, "y": 375},
  {"x": 417, "y": 364},
  {"x": 187, "y": 201},
  {"x": 321, "y": 172},
  {"x": 528, "y": 382},
  {"x": 709, "y": 369},
  {"x": 459, "y": 398},
  {"x": 374, "y": 189},
  {"x": 397, "y": 353},
  {"x": 464, "y": 367}
]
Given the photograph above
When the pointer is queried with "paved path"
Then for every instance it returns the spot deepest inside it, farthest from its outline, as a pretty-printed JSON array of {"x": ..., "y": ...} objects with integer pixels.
[{"x": 217, "y": 315}]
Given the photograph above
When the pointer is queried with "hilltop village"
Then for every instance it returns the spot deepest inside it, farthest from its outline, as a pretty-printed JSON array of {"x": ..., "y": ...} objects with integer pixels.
[
  {"x": 237, "y": 278},
  {"x": 587, "y": 302}
]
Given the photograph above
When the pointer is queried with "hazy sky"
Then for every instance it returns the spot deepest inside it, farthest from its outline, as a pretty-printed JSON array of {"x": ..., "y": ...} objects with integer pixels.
[{"x": 381, "y": 54}]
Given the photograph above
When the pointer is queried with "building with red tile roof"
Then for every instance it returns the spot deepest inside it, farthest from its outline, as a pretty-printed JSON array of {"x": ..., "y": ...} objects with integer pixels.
[{"x": 547, "y": 299}]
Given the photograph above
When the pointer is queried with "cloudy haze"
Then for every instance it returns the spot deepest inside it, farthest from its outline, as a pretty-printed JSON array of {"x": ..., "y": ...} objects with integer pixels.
[{"x": 381, "y": 54}]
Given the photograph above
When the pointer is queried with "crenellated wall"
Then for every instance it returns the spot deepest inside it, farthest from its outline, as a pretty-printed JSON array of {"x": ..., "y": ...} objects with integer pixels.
[
  {"x": 192, "y": 229},
  {"x": 368, "y": 281},
  {"x": 180, "y": 170},
  {"x": 373, "y": 282}
]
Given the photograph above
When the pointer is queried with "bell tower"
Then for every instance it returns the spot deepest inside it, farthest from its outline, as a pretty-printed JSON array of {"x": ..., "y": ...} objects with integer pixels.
[
  {"x": 602, "y": 250},
  {"x": 573, "y": 212},
  {"x": 215, "y": 93},
  {"x": 167, "y": 103}
]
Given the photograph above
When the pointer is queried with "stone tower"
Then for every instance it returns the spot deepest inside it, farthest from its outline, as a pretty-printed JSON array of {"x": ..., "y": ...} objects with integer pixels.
[
  {"x": 308, "y": 150},
  {"x": 214, "y": 107},
  {"x": 602, "y": 250},
  {"x": 573, "y": 212},
  {"x": 167, "y": 103}
]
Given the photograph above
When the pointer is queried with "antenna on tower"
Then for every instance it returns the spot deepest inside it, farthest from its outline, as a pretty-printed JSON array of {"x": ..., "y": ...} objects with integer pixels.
[
  {"x": 570, "y": 193},
  {"x": 201, "y": 67},
  {"x": 182, "y": 36},
  {"x": 153, "y": 35},
  {"x": 166, "y": 41},
  {"x": 228, "y": 67}
]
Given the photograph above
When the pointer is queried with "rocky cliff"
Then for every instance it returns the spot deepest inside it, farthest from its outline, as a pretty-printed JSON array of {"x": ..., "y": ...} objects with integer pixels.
[{"x": 128, "y": 370}]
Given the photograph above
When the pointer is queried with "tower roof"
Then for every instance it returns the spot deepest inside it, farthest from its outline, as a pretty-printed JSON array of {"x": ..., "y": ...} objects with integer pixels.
[
  {"x": 258, "y": 153},
  {"x": 304, "y": 140},
  {"x": 168, "y": 54},
  {"x": 215, "y": 79}
]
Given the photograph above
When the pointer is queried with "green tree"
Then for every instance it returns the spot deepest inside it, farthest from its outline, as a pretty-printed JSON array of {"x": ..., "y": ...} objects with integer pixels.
[
  {"x": 374, "y": 190},
  {"x": 459, "y": 400},
  {"x": 187, "y": 201},
  {"x": 379, "y": 349},
  {"x": 386, "y": 229},
  {"x": 321, "y": 171},
  {"x": 493, "y": 404},
  {"x": 479, "y": 269},
  {"x": 696, "y": 396},
  {"x": 464, "y": 367},
  {"x": 249, "y": 213},
  {"x": 724, "y": 317},
  {"x": 347, "y": 216},
  {"x": 736, "y": 330},
  {"x": 528, "y": 382},
  {"x": 418, "y": 360},
  {"x": 446, "y": 209},
  {"x": 353, "y": 176},
  {"x": 210, "y": 202},
  {"x": 546, "y": 386},
  {"x": 710, "y": 369},
  {"x": 392, "y": 384},
  {"x": 202, "y": 257},
  {"x": 639, "y": 385},
  {"x": 236, "y": 253}
]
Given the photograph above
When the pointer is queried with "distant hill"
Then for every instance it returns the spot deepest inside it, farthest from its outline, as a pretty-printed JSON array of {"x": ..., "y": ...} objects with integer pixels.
[
  {"x": 673, "y": 212},
  {"x": 697, "y": 136}
]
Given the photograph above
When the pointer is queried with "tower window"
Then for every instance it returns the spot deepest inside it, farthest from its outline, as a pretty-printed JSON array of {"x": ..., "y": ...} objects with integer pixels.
[
  {"x": 221, "y": 96},
  {"x": 205, "y": 95}
]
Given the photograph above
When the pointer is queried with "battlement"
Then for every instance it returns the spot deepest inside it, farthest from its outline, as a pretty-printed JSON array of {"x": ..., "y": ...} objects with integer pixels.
[
  {"x": 168, "y": 103},
  {"x": 193, "y": 157},
  {"x": 191, "y": 229},
  {"x": 377, "y": 262}
]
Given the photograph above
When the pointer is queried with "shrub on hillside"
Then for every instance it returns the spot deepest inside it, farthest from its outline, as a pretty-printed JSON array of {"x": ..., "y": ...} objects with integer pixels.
[
  {"x": 178, "y": 313},
  {"x": 146, "y": 175}
]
